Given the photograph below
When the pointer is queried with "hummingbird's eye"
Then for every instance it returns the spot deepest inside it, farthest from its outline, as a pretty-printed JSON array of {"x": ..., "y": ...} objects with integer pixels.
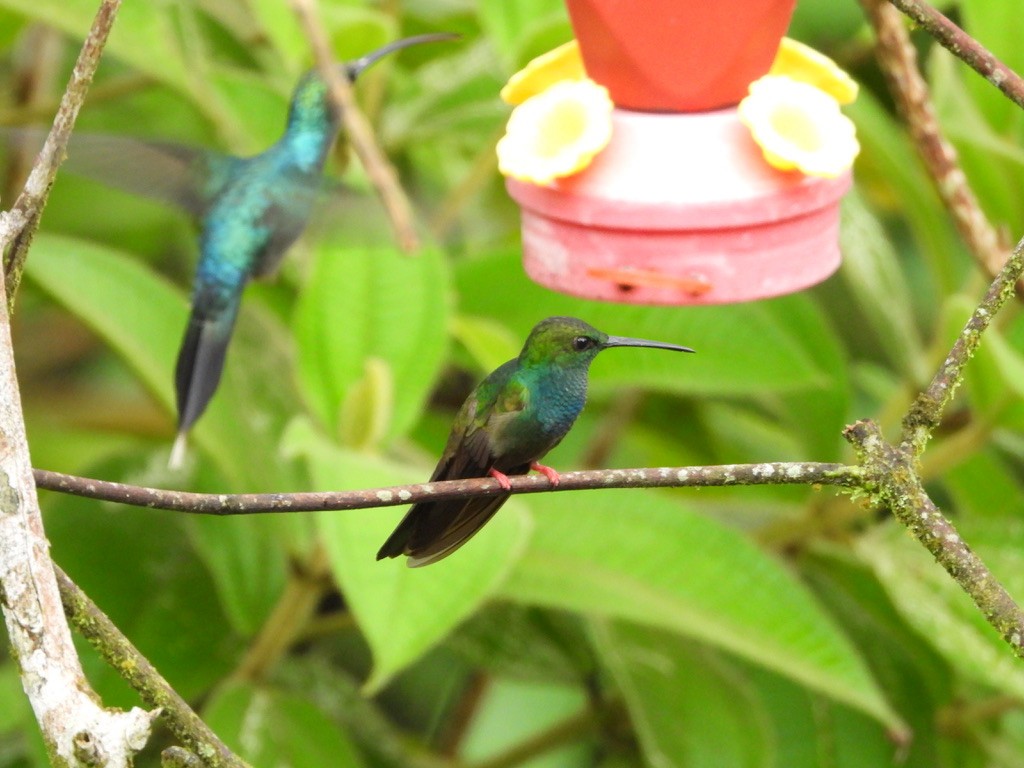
[{"x": 582, "y": 342}]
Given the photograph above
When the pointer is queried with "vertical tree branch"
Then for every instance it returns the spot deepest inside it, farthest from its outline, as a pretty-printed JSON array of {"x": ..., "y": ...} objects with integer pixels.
[
  {"x": 18, "y": 225},
  {"x": 76, "y": 728},
  {"x": 381, "y": 174},
  {"x": 898, "y": 60}
]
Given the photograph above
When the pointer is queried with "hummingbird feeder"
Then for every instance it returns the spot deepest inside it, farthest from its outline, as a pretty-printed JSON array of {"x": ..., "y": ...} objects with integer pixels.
[{"x": 675, "y": 192}]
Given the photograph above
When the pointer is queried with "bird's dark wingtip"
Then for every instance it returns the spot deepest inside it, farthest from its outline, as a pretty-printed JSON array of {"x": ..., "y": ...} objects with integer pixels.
[{"x": 398, "y": 541}]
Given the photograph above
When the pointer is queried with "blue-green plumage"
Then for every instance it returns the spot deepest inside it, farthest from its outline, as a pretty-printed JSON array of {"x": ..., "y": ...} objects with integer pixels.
[
  {"x": 510, "y": 421},
  {"x": 251, "y": 211}
]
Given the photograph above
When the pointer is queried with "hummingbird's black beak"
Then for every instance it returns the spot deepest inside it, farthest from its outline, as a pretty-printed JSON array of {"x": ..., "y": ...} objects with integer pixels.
[
  {"x": 625, "y": 341},
  {"x": 354, "y": 68}
]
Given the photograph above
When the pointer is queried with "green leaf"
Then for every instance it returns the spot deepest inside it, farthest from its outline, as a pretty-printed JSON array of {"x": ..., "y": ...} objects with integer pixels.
[
  {"x": 810, "y": 732},
  {"x": 366, "y": 410},
  {"x": 248, "y": 562},
  {"x": 280, "y": 25},
  {"x": 402, "y": 611},
  {"x": 890, "y": 167},
  {"x": 751, "y": 348},
  {"x": 525, "y": 643},
  {"x": 143, "y": 35},
  {"x": 271, "y": 728},
  {"x": 372, "y": 302},
  {"x": 984, "y": 485},
  {"x": 995, "y": 23},
  {"x": 917, "y": 680},
  {"x": 940, "y": 610},
  {"x": 454, "y": 103},
  {"x": 138, "y": 567},
  {"x": 746, "y": 435},
  {"x": 635, "y": 555},
  {"x": 488, "y": 342},
  {"x": 15, "y": 711},
  {"x": 258, "y": 108},
  {"x": 687, "y": 705},
  {"x": 871, "y": 270},
  {"x": 992, "y": 161},
  {"x": 509, "y": 22},
  {"x": 510, "y": 714},
  {"x": 142, "y": 317}
]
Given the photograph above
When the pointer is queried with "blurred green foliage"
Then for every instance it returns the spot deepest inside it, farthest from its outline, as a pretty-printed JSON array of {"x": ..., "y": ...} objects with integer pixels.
[{"x": 728, "y": 627}]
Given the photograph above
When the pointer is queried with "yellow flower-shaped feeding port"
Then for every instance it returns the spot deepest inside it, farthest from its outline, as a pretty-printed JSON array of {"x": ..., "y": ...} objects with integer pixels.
[
  {"x": 803, "y": 63},
  {"x": 557, "y": 132},
  {"x": 799, "y": 126},
  {"x": 562, "y": 63}
]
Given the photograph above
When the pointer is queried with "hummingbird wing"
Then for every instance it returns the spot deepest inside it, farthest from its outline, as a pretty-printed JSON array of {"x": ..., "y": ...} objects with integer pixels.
[
  {"x": 293, "y": 199},
  {"x": 176, "y": 174},
  {"x": 430, "y": 531}
]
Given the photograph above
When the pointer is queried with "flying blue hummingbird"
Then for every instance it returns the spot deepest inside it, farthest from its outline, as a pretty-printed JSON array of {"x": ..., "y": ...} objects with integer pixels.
[
  {"x": 507, "y": 424},
  {"x": 256, "y": 208},
  {"x": 250, "y": 211}
]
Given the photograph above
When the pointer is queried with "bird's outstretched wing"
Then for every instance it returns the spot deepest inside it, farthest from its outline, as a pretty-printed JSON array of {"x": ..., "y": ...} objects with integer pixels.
[
  {"x": 176, "y": 174},
  {"x": 431, "y": 531}
]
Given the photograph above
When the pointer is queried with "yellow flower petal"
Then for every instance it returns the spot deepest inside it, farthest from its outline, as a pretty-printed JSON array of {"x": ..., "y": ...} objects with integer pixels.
[
  {"x": 557, "y": 132},
  {"x": 799, "y": 126},
  {"x": 563, "y": 63},
  {"x": 803, "y": 63}
]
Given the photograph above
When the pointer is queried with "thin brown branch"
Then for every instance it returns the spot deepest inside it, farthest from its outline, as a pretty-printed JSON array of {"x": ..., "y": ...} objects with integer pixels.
[
  {"x": 122, "y": 656},
  {"x": 377, "y": 167},
  {"x": 778, "y": 473},
  {"x": 898, "y": 59},
  {"x": 965, "y": 48},
  {"x": 18, "y": 225},
  {"x": 926, "y": 412}
]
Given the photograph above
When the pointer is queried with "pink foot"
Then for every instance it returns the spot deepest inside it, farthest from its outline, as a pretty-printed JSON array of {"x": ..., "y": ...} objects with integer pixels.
[
  {"x": 548, "y": 472},
  {"x": 501, "y": 477}
]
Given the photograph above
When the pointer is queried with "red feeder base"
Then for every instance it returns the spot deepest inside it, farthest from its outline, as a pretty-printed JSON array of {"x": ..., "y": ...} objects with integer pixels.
[{"x": 680, "y": 209}]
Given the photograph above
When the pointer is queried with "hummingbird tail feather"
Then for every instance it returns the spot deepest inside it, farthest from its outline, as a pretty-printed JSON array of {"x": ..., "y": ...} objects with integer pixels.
[
  {"x": 177, "y": 459},
  {"x": 433, "y": 530},
  {"x": 200, "y": 363}
]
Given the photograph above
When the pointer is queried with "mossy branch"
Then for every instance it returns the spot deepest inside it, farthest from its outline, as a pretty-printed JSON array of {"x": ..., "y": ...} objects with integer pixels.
[
  {"x": 125, "y": 659},
  {"x": 896, "y": 486}
]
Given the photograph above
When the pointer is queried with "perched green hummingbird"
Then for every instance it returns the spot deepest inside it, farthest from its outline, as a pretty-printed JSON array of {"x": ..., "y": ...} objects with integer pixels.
[{"x": 514, "y": 416}]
